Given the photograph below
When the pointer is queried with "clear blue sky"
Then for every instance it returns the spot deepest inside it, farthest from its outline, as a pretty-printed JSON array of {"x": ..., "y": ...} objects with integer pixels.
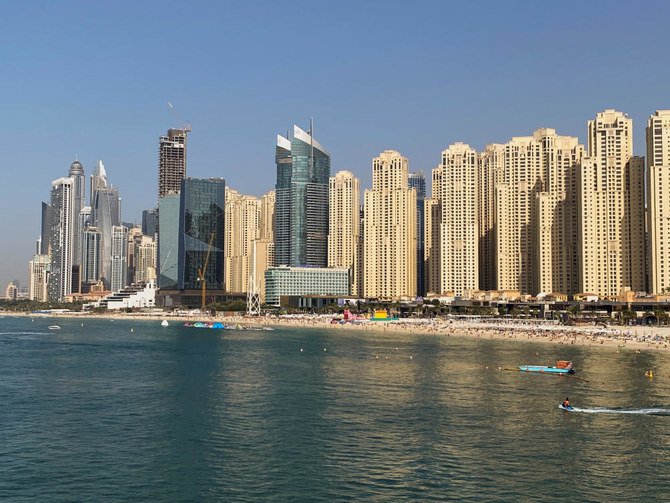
[{"x": 93, "y": 79}]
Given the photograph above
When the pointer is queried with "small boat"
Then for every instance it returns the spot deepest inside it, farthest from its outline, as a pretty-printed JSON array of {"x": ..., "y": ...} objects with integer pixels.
[
  {"x": 165, "y": 323},
  {"x": 201, "y": 324},
  {"x": 54, "y": 327},
  {"x": 567, "y": 408},
  {"x": 562, "y": 367}
]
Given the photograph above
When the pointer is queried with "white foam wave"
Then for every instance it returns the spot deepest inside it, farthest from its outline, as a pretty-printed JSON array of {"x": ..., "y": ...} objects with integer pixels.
[{"x": 602, "y": 410}]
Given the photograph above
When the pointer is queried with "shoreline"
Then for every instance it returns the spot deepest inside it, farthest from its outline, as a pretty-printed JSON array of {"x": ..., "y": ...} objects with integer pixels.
[{"x": 656, "y": 338}]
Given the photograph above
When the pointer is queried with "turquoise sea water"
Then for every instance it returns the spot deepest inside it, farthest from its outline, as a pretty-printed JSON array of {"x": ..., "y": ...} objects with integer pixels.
[{"x": 100, "y": 413}]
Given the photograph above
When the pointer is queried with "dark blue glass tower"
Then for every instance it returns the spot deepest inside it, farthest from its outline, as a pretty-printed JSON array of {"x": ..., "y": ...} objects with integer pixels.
[
  {"x": 418, "y": 182},
  {"x": 201, "y": 222},
  {"x": 301, "y": 206}
]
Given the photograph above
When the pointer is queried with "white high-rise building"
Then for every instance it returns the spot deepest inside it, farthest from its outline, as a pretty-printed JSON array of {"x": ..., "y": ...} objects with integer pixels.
[
  {"x": 345, "y": 226},
  {"x": 658, "y": 201},
  {"x": 119, "y": 264},
  {"x": 611, "y": 212},
  {"x": 389, "y": 230},
  {"x": 12, "y": 290},
  {"x": 63, "y": 219}
]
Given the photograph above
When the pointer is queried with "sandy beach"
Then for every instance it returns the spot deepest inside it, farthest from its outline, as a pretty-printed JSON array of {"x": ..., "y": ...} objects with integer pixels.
[{"x": 637, "y": 338}]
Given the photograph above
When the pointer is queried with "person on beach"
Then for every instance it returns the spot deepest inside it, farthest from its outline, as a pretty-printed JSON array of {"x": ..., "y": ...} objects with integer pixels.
[{"x": 566, "y": 403}]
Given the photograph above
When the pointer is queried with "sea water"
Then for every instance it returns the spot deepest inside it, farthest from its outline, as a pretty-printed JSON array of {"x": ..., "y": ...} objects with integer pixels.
[{"x": 106, "y": 410}]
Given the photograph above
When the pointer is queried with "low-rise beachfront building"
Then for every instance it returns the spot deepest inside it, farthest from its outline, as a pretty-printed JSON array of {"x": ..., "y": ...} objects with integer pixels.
[
  {"x": 285, "y": 281},
  {"x": 139, "y": 296},
  {"x": 586, "y": 297},
  {"x": 494, "y": 295}
]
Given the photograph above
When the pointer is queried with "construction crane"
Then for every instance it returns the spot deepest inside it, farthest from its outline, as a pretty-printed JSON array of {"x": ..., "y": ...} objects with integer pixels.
[
  {"x": 187, "y": 126},
  {"x": 201, "y": 274}
]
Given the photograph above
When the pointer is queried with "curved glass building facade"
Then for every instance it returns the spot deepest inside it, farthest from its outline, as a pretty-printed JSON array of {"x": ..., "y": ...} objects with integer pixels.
[{"x": 301, "y": 206}]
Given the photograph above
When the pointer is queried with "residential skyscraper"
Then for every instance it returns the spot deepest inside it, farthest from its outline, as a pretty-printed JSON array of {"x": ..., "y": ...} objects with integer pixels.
[
  {"x": 301, "y": 209},
  {"x": 389, "y": 235},
  {"x": 432, "y": 219},
  {"x": 345, "y": 226},
  {"x": 658, "y": 201},
  {"x": 535, "y": 202},
  {"x": 266, "y": 225},
  {"x": 134, "y": 240},
  {"x": 78, "y": 202},
  {"x": 90, "y": 264},
  {"x": 242, "y": 229},
  {"x": 145, "y": 260},
  {"x": 60, "y": 240},
  {"x": 45, "y": 231},
  {"x": 491, "y": 164},
  {"x": 555, "y": 228},
  {"x": 418, "y": 181},
  {"x": 12, "y": 290},
  {"x": 612, "y": 214},
  {"x": 38, "y": 268},
  {"x": 264, "y": 247},
  {"x": 171, "y": 161},
  {"x": 118, "y": 260},
  {"x": 458, "y": 246}
]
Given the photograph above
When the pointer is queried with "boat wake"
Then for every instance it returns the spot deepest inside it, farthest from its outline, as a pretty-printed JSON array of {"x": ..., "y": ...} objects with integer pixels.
[{"x": 643, "y": 412}]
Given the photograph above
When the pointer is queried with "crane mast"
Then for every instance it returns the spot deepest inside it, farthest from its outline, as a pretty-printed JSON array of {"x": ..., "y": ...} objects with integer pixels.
[{"x": 201, "y": 273}]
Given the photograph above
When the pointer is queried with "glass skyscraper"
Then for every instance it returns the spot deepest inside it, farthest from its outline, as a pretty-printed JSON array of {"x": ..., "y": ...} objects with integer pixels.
[
  {"x": 168, "y": 243},
  {"x": 150, "y": 222},
  {"x": 105, "y": 213},
  {"x": 90, "y": 265},
  {"x": 301, "y": 207},
  {"x": 418, "y": 181},
  {"x": 201, "y": 222}
]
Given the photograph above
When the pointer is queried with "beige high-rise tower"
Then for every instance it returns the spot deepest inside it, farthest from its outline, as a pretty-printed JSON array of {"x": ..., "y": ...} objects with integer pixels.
[
  {"x": 389, "y": 230},
  {"x": 611, "y": 209},
  {"x": 556, "y": 267},
  {"x": 345, "y": 226},
  {"x": 241, "y": 228},
  {"x": 458, "y": 224},
  {"x": 249, "y": 234},
  {"x": 658, "y": 201},
  {"x": 491, "y": 163},
  {"x": 535, "y": 212}
]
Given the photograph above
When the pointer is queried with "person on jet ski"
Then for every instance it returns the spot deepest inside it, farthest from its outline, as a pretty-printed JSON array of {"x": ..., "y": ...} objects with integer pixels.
[{"x": 566, "y": 403}]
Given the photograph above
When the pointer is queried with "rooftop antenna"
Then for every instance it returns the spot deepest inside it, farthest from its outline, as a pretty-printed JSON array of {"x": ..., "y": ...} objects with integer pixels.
[{"x": 186, "y": 125}]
